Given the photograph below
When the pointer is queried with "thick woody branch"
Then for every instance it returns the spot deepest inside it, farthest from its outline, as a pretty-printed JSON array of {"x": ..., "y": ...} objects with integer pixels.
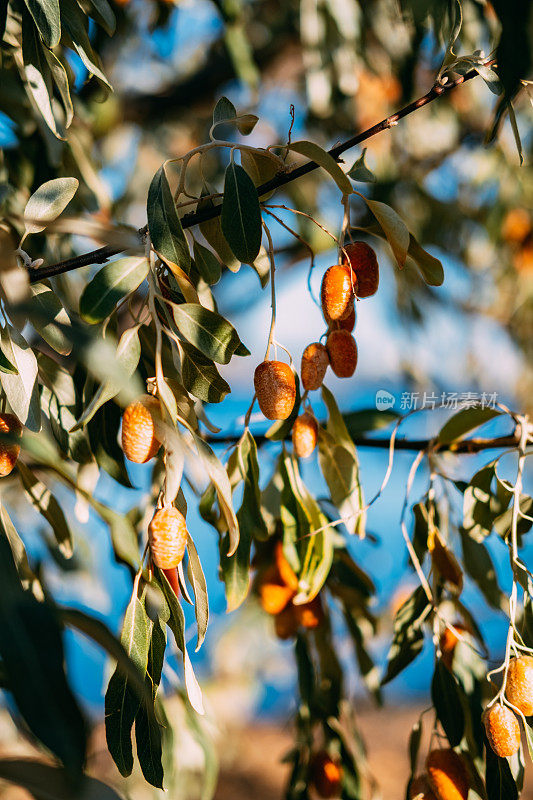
[{"x": 103, "y": 254}]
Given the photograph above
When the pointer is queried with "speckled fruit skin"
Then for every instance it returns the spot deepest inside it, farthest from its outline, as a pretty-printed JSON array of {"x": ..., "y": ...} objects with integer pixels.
[
  {"x": 365, "y": 267},
  {"x": 139, "y": 441},
  {"x": 274, "y": 594},
  {"x": 503, "y": 730},
  {"x": 519, "y": 688},
  {"x": 9, "y": 452},
  {"x": 304, "y": 435},
  {"x": 315, "y": 361},
  {"x": 342, "y": 351},
  {"x": 167, "y": 536},
  {"x": 447, "y": 775},
  {"x": 337, "y": 292},
  {"x": 326, "y": 775},
  {"x": 311, "y": 614},
  {"x": 275, "y": 389},
  {"x": 420, "y": 790}
]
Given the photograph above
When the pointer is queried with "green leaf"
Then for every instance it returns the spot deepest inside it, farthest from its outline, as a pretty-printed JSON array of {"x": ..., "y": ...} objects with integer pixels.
[
  {"x": 224, "y": 111},
  {"x": 59, "y": 75},
  {"x": 200, "y": 376},
  {"x": 207, "y": 264},
  {"x": 466, "y": 420},
  {"x": 340, "y": 466},
  {"x": 49, "y": 318},
  {"x": 211, "y": 229},
  {"x": 499, "y": 781},
  {"x": 46, "y": 504},
  {"x": 220, "y": 480},
  {"x": 445, "y": 694},
  {"x": 235, "y": 569},
  {"x": 121, "y": 701},
  {"x": 360, "y": 172},
  {"x": 164, "y": 224},
  {"x": 393, "y": 226},
  {"x": 45, "y": 782},
  {"x": 199, "y": 586},
  {"x": 110, "y": 285},
  {"x": 359, "y": 422},
  {"x": 148, "y": 730},
  {"x": 480, "y": 567},
  {"x": 128, "y": 355},
  {"x": 9, "y": 532},
  {"x": 37, "y": 73},
  {"x": 74, "y": 21},
  {"x": 21, "y": 388},
  {"x": 430, "y": 267},
  {"x": 103, "y": 430},
  {"x": 210, "y": 333},
  {"x": 45, "y": 14},
  {"x": 321, "y": 157},
  {"x": 102, "y": 12},
  {"x": 48, "y": 202},
  {"x": 408, "y": 638},
  {"x": 241, "y": 214},
  {"x": 367, "y": 667},
  {"x": 261, "y": 166},
  {"x": 31, "y": 649},
  {"x": 176, "y": 623}
]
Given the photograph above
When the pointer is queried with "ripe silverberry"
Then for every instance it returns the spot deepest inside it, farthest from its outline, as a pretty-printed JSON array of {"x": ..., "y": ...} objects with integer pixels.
[
  {"x": 139, "y": 440},
  {"x": 275, "y": 389},
  {"x": 9, "y": 451},
  {"x": 315, "y": 361},
  {"x": 502, "y": 729},
  {"x": 304, "y": 434},
  {"x": 364, "y": 264},
  {"x": 519, "y": 687},
  {"x": 342, "y": 351},
  {"x": 167, "y": 537},
  {"x": 337, "y": 292}
]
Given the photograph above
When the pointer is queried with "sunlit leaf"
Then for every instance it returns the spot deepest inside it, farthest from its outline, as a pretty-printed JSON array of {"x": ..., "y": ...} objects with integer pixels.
[
  {"x": 210, "y": 333},
  {"x": 320, "y": 156},
  {"x": 164, "y": 224},
  {"x": 21, "y": 388},
  {"x": 48, "y": 202},
  {"x": 110, "y": 285},
  {"x": 241, "y": 214},
  {"x": 45, "y": 14}
]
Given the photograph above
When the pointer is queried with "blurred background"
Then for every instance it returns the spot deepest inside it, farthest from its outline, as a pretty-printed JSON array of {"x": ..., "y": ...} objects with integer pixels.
[{"x": 342, "y": 65}]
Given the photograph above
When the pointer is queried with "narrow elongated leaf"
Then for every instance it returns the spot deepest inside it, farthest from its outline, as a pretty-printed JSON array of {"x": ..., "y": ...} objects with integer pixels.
[
  {"x": 50, "y": 318},
  {"x": 408, "y": 638},
  {"x": 210, "y": 333},
  {"x": 46, "y": 504},
  {"x": 48, "y": 202},
  {"x": 103, "y": 431},
  {"x": 207, "y": 264},
  {"x": 128, "y": 354},
  {"x": 37, "y": 73},
  {"x": 220, "y": 480},
  {"x": 3, "y": 17},
  {"x": 201, "y": 377},
  {"x": 164, "y": 224},
  {"x": 430, "y": 267},
  {"x": 480, "y": 567},
  {"x": 320, "y": 156},
  {"x": 121, "y": 702},
  {"x": 499, "y": 780},
  {"x": 241, "y": 214},
  {"x": 199, "y": 586},
  {"x": 393, "y": 226},
  {"x": 176, "y": 623},
  {"x": 466, "y": 420},
  {"x": 45, "y": 14},
  {"x": 32, "y": 655},
  {"x": 74, "y": 21},
  {"x": 111, "y": 284},
  {"x": 20, "y": 557},
  {"x": 445, "y": 694},
  {"x": 21, "y": 388},
  {"x": 148, "y": 731},
  {"x": 102, "y": 12},
  {"x": 59, "y": 75}
]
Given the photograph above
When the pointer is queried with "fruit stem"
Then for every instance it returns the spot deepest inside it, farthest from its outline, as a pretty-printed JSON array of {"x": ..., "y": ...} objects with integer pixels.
[{"x": 272, "y": 292}]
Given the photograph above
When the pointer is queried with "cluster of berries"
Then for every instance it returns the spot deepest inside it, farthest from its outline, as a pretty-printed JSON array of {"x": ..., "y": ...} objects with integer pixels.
[
  {"x": 501, "y": 723},
  {"x": 277, "y": 586},
  {"x": 167, "y": 531},
  {"x": 275, "y": 388}
]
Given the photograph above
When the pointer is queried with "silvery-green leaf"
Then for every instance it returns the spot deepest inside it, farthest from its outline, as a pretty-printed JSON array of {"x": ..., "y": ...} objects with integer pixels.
[
  {"x": 49, "y": 317},
  {"x": 48, "y": 202},
  {"x": 110, "y": 285},
  {"x": 241, "y": 214},
  {"x": 21, "y": 388},
  {"x": 46, "y": 504},
  {"x": 45, "y": 14},
  {"x": 321, "y": 157}
]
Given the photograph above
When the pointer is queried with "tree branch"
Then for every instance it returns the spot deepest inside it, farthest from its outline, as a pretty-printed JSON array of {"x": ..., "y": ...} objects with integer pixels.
[
  {"x": 462, "y": 447},
  {"x": 103, "y": 254}
]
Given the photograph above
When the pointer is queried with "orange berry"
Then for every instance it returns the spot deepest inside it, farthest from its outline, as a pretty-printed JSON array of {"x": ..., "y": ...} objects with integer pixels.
[
  {"x": 326, "y": 775},
  {"x": 286, "y": 623},
  {"x": 516, "y": 225},
  {"x": 519, "y": 687},
  {"x": 420, "y": 789},
  {"x": 139, "y": 440},
  {"x": 311, "y": 614},
  {"x": 9, "y": 452},
  {"x": 304, "y": 434},
  {"x": 274, "y": 594},
  {"x": 337, "y": 292},
  {"x": 448, "y": 642},
  {"x": 286, "y": 572},
  {"x": 503, "y": 730},
  {"x": 167, "y": 536},
  {"x": 315, "y": 361},
  {"x": 364, "y": 264},
  {"x": 447, "y": 775},
  {"x": 345, "y": 324},
  {"x": 342, "y": 351},
  {"x": 275, "y": 389}
]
